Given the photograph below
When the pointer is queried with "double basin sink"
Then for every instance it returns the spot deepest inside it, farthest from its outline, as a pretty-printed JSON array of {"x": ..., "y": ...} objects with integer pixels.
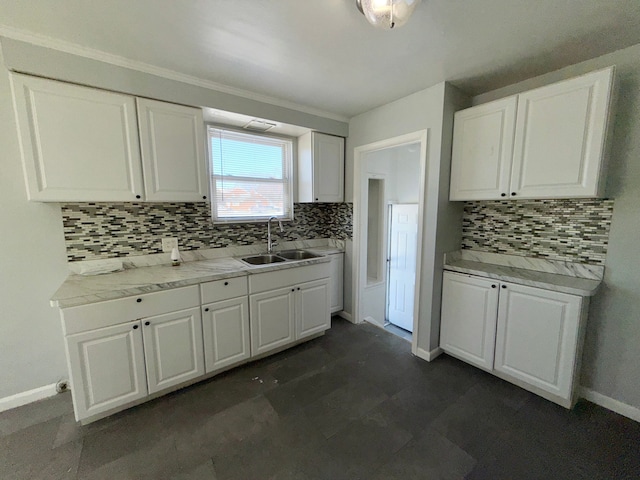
[{"x": 267, "y": 258}]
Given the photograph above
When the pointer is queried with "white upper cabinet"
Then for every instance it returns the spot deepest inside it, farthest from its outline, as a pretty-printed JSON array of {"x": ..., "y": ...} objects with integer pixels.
[
  {"x": 78, "y": 143},
  {"x": 552, "y": 145},
  {"x": 172, "y": 146},
  {"x": 560, "y": 138},
  {"x": 320, "y": 168},
  {"x": 482, "y": 150}
]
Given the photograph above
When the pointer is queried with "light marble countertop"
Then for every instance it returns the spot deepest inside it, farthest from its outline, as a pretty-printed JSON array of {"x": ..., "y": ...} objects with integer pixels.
[
  {"x": 81, "y": 289},
  {"x": 575, "y": 279}
]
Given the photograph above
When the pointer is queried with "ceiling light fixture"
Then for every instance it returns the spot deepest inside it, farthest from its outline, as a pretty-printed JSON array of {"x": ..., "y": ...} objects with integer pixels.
[{"x": 387, "y": 14}]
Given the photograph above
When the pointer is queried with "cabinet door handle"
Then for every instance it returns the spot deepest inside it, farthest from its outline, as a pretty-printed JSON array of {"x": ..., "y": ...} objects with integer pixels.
[
  {"x": 147, "y": 323},
  {"x": 504, "y": 286},
  {"x": 503, "y": 194},
  {"x": 135, "y": 327},
  {"x": 493, "y": 286},
  {"x": 513, "y": 194},
  {"x": 138, "y": 300},
  {"x": 204, "y": 197},
  {"x": 137, "y": 196},
  {"x": 293, "y": 289},
  {"x": 206, "y": 309},
  {"x": 226, "y": 283},
  {"x": 298, "y": 288}
]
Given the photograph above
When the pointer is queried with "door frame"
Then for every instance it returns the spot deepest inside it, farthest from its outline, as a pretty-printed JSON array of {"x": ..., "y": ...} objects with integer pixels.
[{"x": 360, "y": 230}]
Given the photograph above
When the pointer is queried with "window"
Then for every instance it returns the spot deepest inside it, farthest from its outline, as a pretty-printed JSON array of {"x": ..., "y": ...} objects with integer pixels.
[{"x": 250, "y": 176}]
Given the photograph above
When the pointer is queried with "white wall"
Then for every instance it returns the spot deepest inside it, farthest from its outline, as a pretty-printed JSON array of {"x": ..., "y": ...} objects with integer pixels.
[
  {"x": 430, "y": 109},
  {"x": 611, "y": 360},
  {"x": 33, "y": 264}
]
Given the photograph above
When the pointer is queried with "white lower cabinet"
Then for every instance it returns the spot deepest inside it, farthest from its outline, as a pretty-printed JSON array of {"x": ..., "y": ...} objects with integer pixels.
[
  {"x": 272, "y": 319},
  {"x": 529, "y": 336},
  {"x": 107, "y": 368},
  {"x": 173, "y": 348},
  {"x": 469, "y": 306},
  {"x": 288, "y": 305},
  {"x": 225, "y": 327},
  {"x": 337, "y": 282},
  {"x": 537, "y": 337}
]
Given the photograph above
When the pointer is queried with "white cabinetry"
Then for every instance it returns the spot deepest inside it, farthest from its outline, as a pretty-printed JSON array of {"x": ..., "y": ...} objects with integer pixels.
[
  {"x": 172, "y": 146},
  {"x": 107, "y": 368},
  {"x": 109, "y": 343},
  {"x": 469, "y": 306},
  {"x": 288, "y": 305},
  {"x": 553, "y": 147},
  {"x": 320, "y": 168},
  {"x": 225, "y": 323},
  {"x": 337, "y": 282},
  {"x": 537, "y": 337},
  {"x": 78, "y": 143},
  {"x": 529, "y": 336},
  {"x": 173, "y": 348}
]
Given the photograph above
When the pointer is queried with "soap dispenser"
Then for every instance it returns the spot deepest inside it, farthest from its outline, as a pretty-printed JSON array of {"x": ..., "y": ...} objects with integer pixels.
[{"x": 175, "y": 257}]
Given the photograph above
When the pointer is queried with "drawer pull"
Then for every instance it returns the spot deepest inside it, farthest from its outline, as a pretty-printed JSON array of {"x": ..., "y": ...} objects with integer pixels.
[
  {"x": 138, "y": 300},
  {"x": 504, "y": 286},
  {"x": 147, "y": 323},
  {"x": 135, "y": 327},
  {"x": 206, "y": 309},
  {"x": 226, "y": 283},
  {"x": 493, "y": 286}
]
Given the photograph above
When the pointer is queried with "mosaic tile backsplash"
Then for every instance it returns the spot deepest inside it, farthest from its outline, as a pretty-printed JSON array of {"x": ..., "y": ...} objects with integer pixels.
[
  {"x": 107, "y": 230},
  {"x": 574, "y": 230}
]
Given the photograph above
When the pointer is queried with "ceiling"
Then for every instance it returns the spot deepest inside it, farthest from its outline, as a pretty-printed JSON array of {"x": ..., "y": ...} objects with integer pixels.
[{"x": 323, "y": 55}]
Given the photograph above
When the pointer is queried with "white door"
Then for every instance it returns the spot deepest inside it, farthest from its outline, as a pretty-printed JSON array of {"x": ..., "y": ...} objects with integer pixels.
[
  {"x": 173, "y": 348},
  {"x": 468, "y": 320},
  {"x": 482, "y": 151},
  {"x": 272, "y": 319},
  {"x": 403, "y": 248},
  {"x": 537, "y": 337},
  {"x": 78, "y": 144},
  {"x": 225, "y": 328},
  {"x": 312, "y": 308},
  {"x": 172, "y": 145},
  {"x": 328, "y": 168},
  {"x": 107, "y": 368},
  {"x": 560, "y": 138}
]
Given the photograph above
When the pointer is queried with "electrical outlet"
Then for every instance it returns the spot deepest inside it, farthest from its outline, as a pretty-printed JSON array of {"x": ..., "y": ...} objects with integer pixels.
[{"x": 169, "y": 244}]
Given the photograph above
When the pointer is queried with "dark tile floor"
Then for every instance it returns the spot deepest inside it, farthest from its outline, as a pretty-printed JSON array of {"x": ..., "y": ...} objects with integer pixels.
[{"x": 352, "y": 404}]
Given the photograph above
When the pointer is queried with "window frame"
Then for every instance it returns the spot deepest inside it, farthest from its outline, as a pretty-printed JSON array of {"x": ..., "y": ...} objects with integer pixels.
[{"x": 288, "y": 171}]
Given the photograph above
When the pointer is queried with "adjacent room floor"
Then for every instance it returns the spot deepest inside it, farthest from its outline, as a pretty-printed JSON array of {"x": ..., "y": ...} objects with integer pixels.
[{"x": 354, "y": 404}]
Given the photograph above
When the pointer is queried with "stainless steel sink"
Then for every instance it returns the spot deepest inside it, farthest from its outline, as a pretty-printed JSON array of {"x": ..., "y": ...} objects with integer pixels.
[
  {"x": 297, "y": 255},
  {"x": 263, "y": 259}
]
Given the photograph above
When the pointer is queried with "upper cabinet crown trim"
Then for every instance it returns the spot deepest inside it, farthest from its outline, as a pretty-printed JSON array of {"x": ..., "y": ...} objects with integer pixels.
[{"x": 549, "y": 142}]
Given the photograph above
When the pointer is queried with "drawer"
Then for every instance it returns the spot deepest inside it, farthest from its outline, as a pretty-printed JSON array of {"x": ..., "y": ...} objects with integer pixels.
[
  {"x": 223, "y": 289},
  {"x": 263, "y": 282},
  {"x": 112, "y": 312}
]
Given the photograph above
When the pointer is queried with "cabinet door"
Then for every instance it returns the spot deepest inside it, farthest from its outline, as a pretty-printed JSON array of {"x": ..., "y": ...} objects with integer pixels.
[
  {"x": 328, "y": 168},
  {"x": 560, "y": 138},
  {"x": 78, "y": 144},
  {"x": 537, "y": 337},
  {"x": 173, "y": 348},
  {"x": 337, "y": 287},
  {"x": 272, "y": 319},
  {"x": 468, "y": 321},
  {"x": 482, "y": 151},
  {"x": 225, "y": 327},
  {"x": 107, "y": 368},
  {"x": 172, "y": 145},
  {"x": 312, "y": 308}
]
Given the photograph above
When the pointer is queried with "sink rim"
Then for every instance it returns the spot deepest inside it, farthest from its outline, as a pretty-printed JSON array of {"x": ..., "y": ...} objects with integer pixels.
[
  {"x": 305, "y": 254},
  {"x": 273, "y": 259}
]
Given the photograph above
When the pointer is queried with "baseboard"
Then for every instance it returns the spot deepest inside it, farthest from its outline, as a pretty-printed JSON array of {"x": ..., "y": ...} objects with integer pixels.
[
  {"x": 611, "y": 404},
  {"x": 19, "y": 399},
  {"x": 428, "y": 356}
]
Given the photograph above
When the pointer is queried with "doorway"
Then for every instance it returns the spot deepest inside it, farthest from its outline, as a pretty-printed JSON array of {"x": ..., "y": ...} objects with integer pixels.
[
  {"x": 390, "y": 172},
  {"x": 401, "y": 267}
]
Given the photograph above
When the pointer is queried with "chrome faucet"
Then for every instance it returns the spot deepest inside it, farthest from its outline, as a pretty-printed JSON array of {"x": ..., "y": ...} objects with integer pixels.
[{"x": 270, "y": 244}]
